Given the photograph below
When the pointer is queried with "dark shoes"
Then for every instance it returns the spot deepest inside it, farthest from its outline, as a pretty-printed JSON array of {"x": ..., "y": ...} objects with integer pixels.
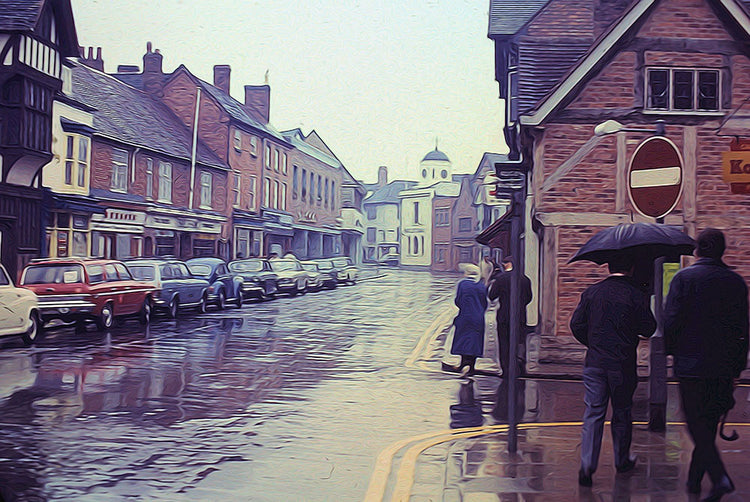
[
  {"x": 719, "y": 490},
  {"x": 628, "y": 466},
  {"x": 584, "y": 478},
  {"x": 451, "y": 369}
]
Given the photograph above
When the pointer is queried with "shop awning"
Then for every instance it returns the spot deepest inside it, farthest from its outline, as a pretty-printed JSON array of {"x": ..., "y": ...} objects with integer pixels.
[{"x": 497, "y": 235}]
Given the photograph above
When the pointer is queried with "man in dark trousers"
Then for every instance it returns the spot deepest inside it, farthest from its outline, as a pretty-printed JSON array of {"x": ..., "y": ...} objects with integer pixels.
[
  {"x": 500, "y": 289},
  {"x": 609, "y": 320},
  {"x": 706, "y": 330}
]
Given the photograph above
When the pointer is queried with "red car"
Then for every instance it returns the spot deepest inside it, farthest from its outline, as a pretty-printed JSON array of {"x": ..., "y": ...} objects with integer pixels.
[{"x": 81, "y": 290}]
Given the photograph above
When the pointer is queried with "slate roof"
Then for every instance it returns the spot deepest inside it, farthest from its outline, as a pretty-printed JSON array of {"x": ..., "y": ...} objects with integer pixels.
[
  {"x": 294, "y": 137},
  {"x": 507, "y": 17},
  {"x": 126, "y": 114},
  {"x": 389, "y": 193},
  {"x": 21, "y": 15}
]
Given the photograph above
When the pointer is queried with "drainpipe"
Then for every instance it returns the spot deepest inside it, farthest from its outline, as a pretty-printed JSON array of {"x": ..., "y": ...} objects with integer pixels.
[{"x": 195, "y": 147}]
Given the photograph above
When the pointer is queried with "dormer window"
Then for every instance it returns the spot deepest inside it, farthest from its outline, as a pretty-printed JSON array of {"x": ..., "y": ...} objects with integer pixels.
[{"x": 683, "y": 90}]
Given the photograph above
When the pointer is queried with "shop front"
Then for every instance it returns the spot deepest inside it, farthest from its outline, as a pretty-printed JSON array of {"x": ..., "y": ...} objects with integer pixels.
[
  {"x": 117, "y": 234},
  {"x": 183, "y": 236},
  {"x": 277, "y": 233}
]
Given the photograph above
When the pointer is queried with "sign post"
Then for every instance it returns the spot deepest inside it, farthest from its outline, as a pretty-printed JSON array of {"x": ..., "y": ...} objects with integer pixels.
[{"x": 654, "y": 186}]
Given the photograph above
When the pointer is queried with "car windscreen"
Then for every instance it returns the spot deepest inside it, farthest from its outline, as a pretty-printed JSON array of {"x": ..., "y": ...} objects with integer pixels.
[
  {"x": 281, "y": 265},
  {"x": 142, "y": 272},
  {"x": 341, "y": 263},
  {"x": 310, "y": 267},
  {"x": 53, "y": 274},
  {"x": 325, "y": 265},
  {"x": 246, "y": 266},
  {"x": 200, "y": 270}
]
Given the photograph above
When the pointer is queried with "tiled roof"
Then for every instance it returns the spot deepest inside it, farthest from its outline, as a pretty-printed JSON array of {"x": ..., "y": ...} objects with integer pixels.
[
  {"x": 19, "y": 14},
  {"x": 389, "y": 193},
  {"x": 126, "y": 114},
  {"x": 294, "y": 137},
  {"x": 507, "y": 17}
]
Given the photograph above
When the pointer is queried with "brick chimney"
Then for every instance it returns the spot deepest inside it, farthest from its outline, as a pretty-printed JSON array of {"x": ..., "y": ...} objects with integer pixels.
[
  {"x": 153, "y": 75},
  {"x": 92, "y": 61},
  {"x": 382, "y": 176},
  {"x": 258, "y": 102},
  {"x": 221, "y": 76}
]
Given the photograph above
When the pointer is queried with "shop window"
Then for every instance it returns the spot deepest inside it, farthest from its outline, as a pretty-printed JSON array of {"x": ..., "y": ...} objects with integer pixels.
[{"x": 683, "y": 89}]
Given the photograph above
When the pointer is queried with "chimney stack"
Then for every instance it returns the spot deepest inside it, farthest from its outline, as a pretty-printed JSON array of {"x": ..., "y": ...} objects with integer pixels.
[
  {"x": 258, "y": 102},
  {"x": 221, "y": 76},
  {"x": 92, "y": 61},
  {"x": 153, "y": 75},
  {"x": 382, "y": 176}
]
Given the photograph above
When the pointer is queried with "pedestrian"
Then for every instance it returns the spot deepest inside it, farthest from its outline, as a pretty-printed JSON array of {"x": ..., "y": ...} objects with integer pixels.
[
  {"x": 468, "y": 334},
  {"x": 609, "y": 320},
  {"x": 499, "y": 290},
  {"x": 706, "y": 330}
]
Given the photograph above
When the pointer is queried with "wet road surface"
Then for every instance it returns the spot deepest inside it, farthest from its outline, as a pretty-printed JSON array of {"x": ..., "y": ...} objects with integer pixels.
[{"x": 290, "y": 399}]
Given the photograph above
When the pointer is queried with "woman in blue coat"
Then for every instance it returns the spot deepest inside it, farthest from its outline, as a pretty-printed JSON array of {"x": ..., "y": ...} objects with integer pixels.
[{"x": 468, "y": 336}]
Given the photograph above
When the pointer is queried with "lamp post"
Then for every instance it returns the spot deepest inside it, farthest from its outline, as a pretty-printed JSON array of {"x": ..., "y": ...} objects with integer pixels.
[{"x": 657, "y": 355}]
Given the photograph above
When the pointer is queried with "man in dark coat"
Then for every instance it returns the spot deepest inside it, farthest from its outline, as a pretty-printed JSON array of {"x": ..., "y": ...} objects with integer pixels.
[
  {"x": 706, "y": 330},
  {"x": 499, "y": 289},
  {"x": 609, "y": 320}
]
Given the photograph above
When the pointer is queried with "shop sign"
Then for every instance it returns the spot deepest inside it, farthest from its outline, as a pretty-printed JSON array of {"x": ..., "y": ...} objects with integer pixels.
[{"x": 736, "y": 166}]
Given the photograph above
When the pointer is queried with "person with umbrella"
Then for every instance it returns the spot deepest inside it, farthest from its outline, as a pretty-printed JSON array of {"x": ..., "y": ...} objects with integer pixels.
[
  {"x": 611, "y": 317},
  {"x": 706, "y": 331}
]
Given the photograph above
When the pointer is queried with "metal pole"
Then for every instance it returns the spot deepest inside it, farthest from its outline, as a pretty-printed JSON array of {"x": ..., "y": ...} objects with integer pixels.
[
  {"x": 657, "y": 421},
  {"x": 515, "y": 317}
]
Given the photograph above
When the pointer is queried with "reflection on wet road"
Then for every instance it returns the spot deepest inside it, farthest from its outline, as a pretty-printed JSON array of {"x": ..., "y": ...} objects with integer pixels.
[{"x": 290, "y": 399}]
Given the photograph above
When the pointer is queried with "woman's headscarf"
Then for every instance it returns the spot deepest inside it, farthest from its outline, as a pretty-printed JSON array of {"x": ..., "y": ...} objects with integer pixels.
[{"x": 471, "y": 271}]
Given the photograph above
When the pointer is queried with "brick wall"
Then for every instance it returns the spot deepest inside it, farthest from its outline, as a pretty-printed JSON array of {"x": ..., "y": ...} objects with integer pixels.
[
  {"x": 681, "y": 18},
  {"x": 564, "y": 18},
  {"x": 613, "y": 88},
  {"x": 324, "y": 214}
]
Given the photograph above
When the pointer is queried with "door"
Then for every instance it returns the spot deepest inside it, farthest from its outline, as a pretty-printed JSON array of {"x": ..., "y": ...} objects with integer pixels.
[
  {"x": 114, "y": 289},
  {"x": 195, "y": 285},
  {"x": 132, "y": 298}
]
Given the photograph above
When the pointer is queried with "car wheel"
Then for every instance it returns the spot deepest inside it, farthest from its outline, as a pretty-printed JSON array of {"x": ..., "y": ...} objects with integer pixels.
[
  {"x": 238, "y": 300},
  {"x": 34, "y": 330},
  {"x": 145, "y": 315},
  {"x": 221, "y": 301},
  {"x": 174, "y": 308},
  {"x": 106, "y": 319},
  {"x": 203, "y": 304}
]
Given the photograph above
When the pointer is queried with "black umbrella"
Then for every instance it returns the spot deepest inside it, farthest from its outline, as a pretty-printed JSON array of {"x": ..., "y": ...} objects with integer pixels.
[{"x": 647, "y": 240}]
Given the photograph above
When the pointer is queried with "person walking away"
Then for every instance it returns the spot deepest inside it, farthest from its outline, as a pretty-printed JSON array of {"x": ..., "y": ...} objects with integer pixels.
[
  {"x": 500, "y": 290},
  {"x": 609, "y": 320},
  {"x": 706, "y": 330},
  {"x": 468, "y": 335}
]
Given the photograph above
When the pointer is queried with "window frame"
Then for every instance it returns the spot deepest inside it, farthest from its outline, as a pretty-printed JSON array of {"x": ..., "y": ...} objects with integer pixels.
[
  {"x": 119, "y": 171},
  {"x": 206, "y": 184},
  {"x": 670, "y": 89},
  {"x": 166, "y": 181}
]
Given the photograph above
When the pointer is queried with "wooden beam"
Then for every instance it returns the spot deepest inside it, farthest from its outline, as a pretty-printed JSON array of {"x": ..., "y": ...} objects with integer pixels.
[
  {"x": 582, "y": 219},
  {"x": 621, "y": 189}
]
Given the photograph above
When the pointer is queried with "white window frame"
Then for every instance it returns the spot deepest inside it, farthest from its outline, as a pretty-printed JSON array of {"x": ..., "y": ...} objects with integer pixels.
[
  {"x": 276, "y": 159},
  {"x": 237, "y": 141},
  {"x": 236, "y": 188},
  {"x": 149, "y": 179},
  {"x": 119, "y": 182},
  {"x": 165, "y": 182},
  {"x": 284, "y": 162},
  {"x": 84, "y": 146},
  {"x": 282, "y": 197},
  {"x": 267, "y": 159},
  {"x": 206, "y": 181},
  {"x": 266, "y": 192},
  {"x": 275, "y": 198},
  {"x": 251, "y": 192},
  {"x": 254, "y": 146},
  {"x": 670, "y": 90}
]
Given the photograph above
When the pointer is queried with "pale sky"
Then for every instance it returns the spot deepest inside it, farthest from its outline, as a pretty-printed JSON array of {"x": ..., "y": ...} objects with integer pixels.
[{"x": 379, "y": 80}]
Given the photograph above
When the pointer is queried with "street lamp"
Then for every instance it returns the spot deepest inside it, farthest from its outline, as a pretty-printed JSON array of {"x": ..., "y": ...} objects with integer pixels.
[{"x": 612, "y": 126}]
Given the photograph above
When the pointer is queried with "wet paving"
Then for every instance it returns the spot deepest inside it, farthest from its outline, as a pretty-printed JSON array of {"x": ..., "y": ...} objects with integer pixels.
[{"x": 290, "y": 399}]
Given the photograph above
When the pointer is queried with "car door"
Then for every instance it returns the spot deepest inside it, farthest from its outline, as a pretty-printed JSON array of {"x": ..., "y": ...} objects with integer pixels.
[
  {"x": 165, "y": 277},
  {"x": 224, "y": 277},
  {"x": 113, "y": 288},
  {"x": 8, "y": 305},
  {"x": 132, "y": 298},
  {"x": 194, "y": 284}
]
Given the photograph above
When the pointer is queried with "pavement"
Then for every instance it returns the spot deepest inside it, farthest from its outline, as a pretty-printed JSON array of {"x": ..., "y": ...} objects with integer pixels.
[{"x": 470, "y": 462}]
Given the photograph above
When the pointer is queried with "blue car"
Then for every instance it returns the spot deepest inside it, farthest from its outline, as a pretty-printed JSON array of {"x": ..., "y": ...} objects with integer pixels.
[
  {"x": 175, "y": 286},
  {"x": 224, "y": 285}
]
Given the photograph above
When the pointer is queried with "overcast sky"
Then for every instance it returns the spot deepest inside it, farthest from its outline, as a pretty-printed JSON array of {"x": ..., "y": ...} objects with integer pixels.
[{"x": 379, "y": 80}]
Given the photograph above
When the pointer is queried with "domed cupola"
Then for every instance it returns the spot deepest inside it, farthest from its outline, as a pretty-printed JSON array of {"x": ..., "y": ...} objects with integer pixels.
[{"x": 435, "y": 166}]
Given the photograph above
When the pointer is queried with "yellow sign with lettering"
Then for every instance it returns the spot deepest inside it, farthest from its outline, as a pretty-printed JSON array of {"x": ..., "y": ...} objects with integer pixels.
[{"x": 736, "y": 167}]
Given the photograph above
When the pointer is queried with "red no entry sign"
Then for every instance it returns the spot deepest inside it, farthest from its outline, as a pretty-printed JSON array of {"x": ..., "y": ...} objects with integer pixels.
[{"x": 655, "y": 177}]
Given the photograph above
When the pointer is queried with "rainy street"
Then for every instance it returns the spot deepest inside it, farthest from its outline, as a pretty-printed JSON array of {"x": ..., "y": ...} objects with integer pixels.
[{"x": 288, "y": 399}]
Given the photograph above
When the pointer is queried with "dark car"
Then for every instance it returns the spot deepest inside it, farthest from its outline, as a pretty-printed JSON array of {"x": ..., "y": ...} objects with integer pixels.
[
  {"x": 343, "y": 267},
  {"x": 223, "y": 284},
  {"x": 175, "y": 286},
  {"x": 258, "y": 280},
  {"x": 319, "y": 278},
  {"x": 292, "y": 277}
]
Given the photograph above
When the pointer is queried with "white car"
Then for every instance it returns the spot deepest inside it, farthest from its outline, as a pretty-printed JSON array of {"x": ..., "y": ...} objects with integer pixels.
[{"x": 19, "y": 310}]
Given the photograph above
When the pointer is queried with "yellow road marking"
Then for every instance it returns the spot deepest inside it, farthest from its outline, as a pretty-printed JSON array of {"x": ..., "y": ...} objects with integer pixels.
[{"x": 439, "y": 320}]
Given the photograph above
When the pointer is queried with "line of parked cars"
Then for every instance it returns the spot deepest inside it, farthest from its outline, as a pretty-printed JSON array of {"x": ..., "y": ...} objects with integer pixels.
[{"x": 80, "y": 291}]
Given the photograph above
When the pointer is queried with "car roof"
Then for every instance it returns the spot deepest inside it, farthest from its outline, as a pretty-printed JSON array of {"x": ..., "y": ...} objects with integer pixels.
[
  {"x": 151, "y": 261},
  {"x": 72, "y": 261},
  {"x": 214, "y": 261}
]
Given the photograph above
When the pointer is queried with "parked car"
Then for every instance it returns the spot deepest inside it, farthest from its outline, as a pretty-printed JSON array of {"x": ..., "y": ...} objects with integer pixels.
[
  {"x": 19, "y": 310},
  {"x": 390, "y": 259},
  {"x": 175, "y": 287},
  {"x": 343, "y": 267},
  {"x": 223, "y": 284},
  {"x": 319, "y": 278},
  {"x": 292, "y": 277},
  {"x": 81, "y": 290},
  {"x": 259, "y": 281}
]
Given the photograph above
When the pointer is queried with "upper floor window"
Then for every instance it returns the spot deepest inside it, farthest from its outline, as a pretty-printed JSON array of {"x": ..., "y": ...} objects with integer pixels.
[
  {"x": 295, "y": 181},
  {"x": 237, "y": 140},
  {"x": 464, "y": 224},
  {"x": 372, "y": 212},
  {"x": 682, "y": 89},
  {"x": 165, "y": 182},
  {"x": 268, "y": 156},
  {"x": 266, "y": 192},
  {"x": 282, "y": 197},
  {"x": 76, "y": 160},
  {"x": 333, "y": 193},
  {"x": 442, "y": 218},
  {"x": 320, "y": 190},
  {"x": 236, "y": 189},
  {"x": 251, "y": 193},
  {"x": 206, "y": 182},
  {"x": 416, "y": 212},
  {"x": 304, "y": 183},
  {"x": 119, "y": 170},
  {"x": 283, "y": 162},
  {"x": 253, "y": 146},
  {"x": 276, "y": 159},
  {"x": 149, "y": 179}
]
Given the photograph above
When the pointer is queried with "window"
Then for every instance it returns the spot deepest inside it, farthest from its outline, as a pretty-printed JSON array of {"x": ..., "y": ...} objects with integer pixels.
[
  {"x": 333, "y": 193},
  {"x": 69, "y": 162},
  {"x": 682, "y": 89},
  {"x": 416, "y": 212},
  {"x": 372, "y": 212},
  {"x": 149, "y": 179},
  {"x": 83, "y": 155},
  {"x": 442, "y": 218},
  {"x": 165, "y": 181},
  {"x": 304, "y": 183},
  {"x": 119, "y": 170},
  {"x": 416, "y": 245},
  {"x": 236, "y": 189},
  {"x": 237, "y": 140},
  {"x": 464, "y": 224},
  {"x": 283, "y": 163},
  {"x": 275, "y": 194},
  {"x": 251, "y": 193},
  {"x": 206, "y": 181},
  {"x": 253, "y": 146},
  {"x": 282, "y": 197},
  {"x": 123, "y": 272},
  {"x": 325, "y": 199},
  {"x": 320, "y": 191},
  {"x": 267, "y": 192},
  {"x": 511, "y": 101},
  {"x": 276, "y": 160},
  {"x": 371, "y": 231},
  {"x": 312, "y": 187},
  {"x": 111, "y": 272},
  {"x": 295, "y": 181},
  {"x": 268, "y": 156}
]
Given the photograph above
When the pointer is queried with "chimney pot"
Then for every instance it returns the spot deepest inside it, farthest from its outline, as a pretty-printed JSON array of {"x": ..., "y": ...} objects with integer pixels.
[{"x": 148, "y": 46}]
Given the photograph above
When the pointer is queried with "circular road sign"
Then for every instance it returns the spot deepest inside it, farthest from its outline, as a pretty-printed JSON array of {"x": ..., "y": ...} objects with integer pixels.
[{"x": 655, "y": 177}]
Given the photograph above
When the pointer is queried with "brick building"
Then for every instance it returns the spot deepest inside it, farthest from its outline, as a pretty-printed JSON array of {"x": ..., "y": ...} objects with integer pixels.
[{"x": 565, "y": 66}]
